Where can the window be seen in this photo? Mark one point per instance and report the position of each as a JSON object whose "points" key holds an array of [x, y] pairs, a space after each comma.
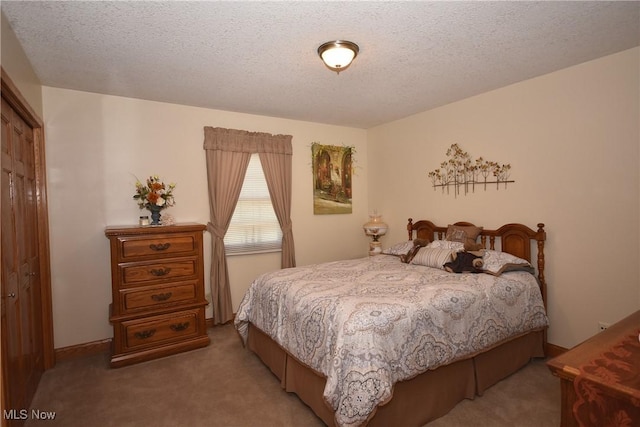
{"points": [[254, 226]]}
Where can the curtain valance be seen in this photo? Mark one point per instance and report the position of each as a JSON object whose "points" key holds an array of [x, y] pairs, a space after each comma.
{"points": [[246, 142]]}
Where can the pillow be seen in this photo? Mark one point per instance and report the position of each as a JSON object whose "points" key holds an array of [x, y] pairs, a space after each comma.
{"points": [[496, 263], [446, 244], [399, 249], [431, 257], [463, 233]]}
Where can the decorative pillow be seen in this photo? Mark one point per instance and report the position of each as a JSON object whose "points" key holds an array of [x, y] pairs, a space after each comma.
{"points": [[463, 233], [446, 244], [496, 263], [431, 257], [399, 249]]}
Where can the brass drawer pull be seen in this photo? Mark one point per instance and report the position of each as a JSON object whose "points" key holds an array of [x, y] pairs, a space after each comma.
{"points": [[160, 272], [177, 327], [145, 334], [161, 297], [160, 247]]}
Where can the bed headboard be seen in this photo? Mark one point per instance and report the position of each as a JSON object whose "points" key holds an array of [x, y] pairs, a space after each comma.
{"points": [[514, 238]]}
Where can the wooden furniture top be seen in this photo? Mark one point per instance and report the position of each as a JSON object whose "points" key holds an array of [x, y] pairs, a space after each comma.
{"points": [[117, 230], [600, 378], [601, 347]]}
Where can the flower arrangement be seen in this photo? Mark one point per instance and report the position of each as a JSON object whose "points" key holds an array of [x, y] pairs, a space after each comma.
{"points": [[154, 193]]}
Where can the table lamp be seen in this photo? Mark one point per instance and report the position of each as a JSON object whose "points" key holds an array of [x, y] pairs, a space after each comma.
{"points": [[375, 228]]}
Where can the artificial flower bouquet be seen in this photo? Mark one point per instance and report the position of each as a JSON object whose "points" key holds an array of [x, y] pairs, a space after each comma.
{"points": [[154, 193]]}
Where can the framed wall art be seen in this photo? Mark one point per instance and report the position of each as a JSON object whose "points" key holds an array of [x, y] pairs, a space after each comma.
{"points": [[332, 174]]}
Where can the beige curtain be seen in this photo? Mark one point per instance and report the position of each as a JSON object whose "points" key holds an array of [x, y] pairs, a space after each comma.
{"points": [[228, 152], [277, 171]]}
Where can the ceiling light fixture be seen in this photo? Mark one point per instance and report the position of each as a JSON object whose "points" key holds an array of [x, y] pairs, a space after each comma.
{"points": [[337, 55]]}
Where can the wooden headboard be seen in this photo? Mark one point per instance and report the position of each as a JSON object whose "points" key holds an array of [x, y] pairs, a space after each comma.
{"points": [[514, 239]]}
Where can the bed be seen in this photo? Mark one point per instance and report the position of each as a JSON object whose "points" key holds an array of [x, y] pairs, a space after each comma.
{"points": [[378, 341]]}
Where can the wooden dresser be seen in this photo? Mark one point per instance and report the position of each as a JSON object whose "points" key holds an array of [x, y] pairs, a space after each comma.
{"points": [[600, 378], [157, 285]]}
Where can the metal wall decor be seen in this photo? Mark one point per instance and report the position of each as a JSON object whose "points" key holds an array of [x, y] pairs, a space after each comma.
{"points": [[460, 172]]}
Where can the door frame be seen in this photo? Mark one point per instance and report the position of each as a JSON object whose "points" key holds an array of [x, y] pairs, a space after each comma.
{"points": [[12, 95]]}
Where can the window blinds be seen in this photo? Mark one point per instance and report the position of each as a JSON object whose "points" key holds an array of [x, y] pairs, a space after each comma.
{"points": [[254, 226]]}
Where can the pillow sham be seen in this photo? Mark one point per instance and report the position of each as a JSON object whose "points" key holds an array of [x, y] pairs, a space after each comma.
{"points": [[446, 244], [399, 248], [431, 257], [497, 262], [467, 234]]}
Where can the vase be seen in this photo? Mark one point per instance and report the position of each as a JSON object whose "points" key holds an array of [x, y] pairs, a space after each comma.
{"points": [[155, 214]]}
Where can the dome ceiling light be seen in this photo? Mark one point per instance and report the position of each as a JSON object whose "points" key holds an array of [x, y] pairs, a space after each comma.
{"points": [[337, 55]]}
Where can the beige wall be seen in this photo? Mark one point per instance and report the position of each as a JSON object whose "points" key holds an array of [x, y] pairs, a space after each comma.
{"points": [[97, 144], [572, 138], [15, 63]]}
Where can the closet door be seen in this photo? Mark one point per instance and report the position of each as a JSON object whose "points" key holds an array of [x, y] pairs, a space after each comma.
{"points": [[21, 294]]}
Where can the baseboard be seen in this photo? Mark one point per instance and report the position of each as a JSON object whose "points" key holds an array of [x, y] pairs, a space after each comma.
{"points": [[82, 350], [553, 350]]}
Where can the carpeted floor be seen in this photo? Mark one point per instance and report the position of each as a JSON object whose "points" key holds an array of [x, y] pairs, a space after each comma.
{"points": [[225, 385]]}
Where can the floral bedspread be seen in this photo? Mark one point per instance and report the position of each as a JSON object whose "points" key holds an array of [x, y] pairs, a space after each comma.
{"points": [[369, 323]]}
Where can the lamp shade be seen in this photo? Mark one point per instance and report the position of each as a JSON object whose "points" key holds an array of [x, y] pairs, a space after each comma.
{"points": [[338, 55], [375, 227]]}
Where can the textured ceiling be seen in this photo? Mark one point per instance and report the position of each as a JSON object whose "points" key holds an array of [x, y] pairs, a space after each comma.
{"points": [[260, 57]]}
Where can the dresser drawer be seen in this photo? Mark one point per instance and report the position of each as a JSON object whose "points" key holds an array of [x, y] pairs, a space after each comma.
{"points": [[142, 272], [150, 297], [136, 247], [163, 329]]}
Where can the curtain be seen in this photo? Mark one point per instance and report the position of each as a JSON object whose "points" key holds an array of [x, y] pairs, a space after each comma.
{"points": [[228, 152], [277, 171]]}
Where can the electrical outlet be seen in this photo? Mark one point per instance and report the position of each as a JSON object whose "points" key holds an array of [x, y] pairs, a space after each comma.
{"points": [[603, 325]]}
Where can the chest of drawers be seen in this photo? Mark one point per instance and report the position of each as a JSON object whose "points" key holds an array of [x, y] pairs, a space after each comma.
{"points": [[157, 285]]}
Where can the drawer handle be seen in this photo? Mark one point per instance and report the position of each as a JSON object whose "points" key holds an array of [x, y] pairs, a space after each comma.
{"points": [[177, 327], [161, 297], [160, 247], [145, 334], [160, 272]]}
